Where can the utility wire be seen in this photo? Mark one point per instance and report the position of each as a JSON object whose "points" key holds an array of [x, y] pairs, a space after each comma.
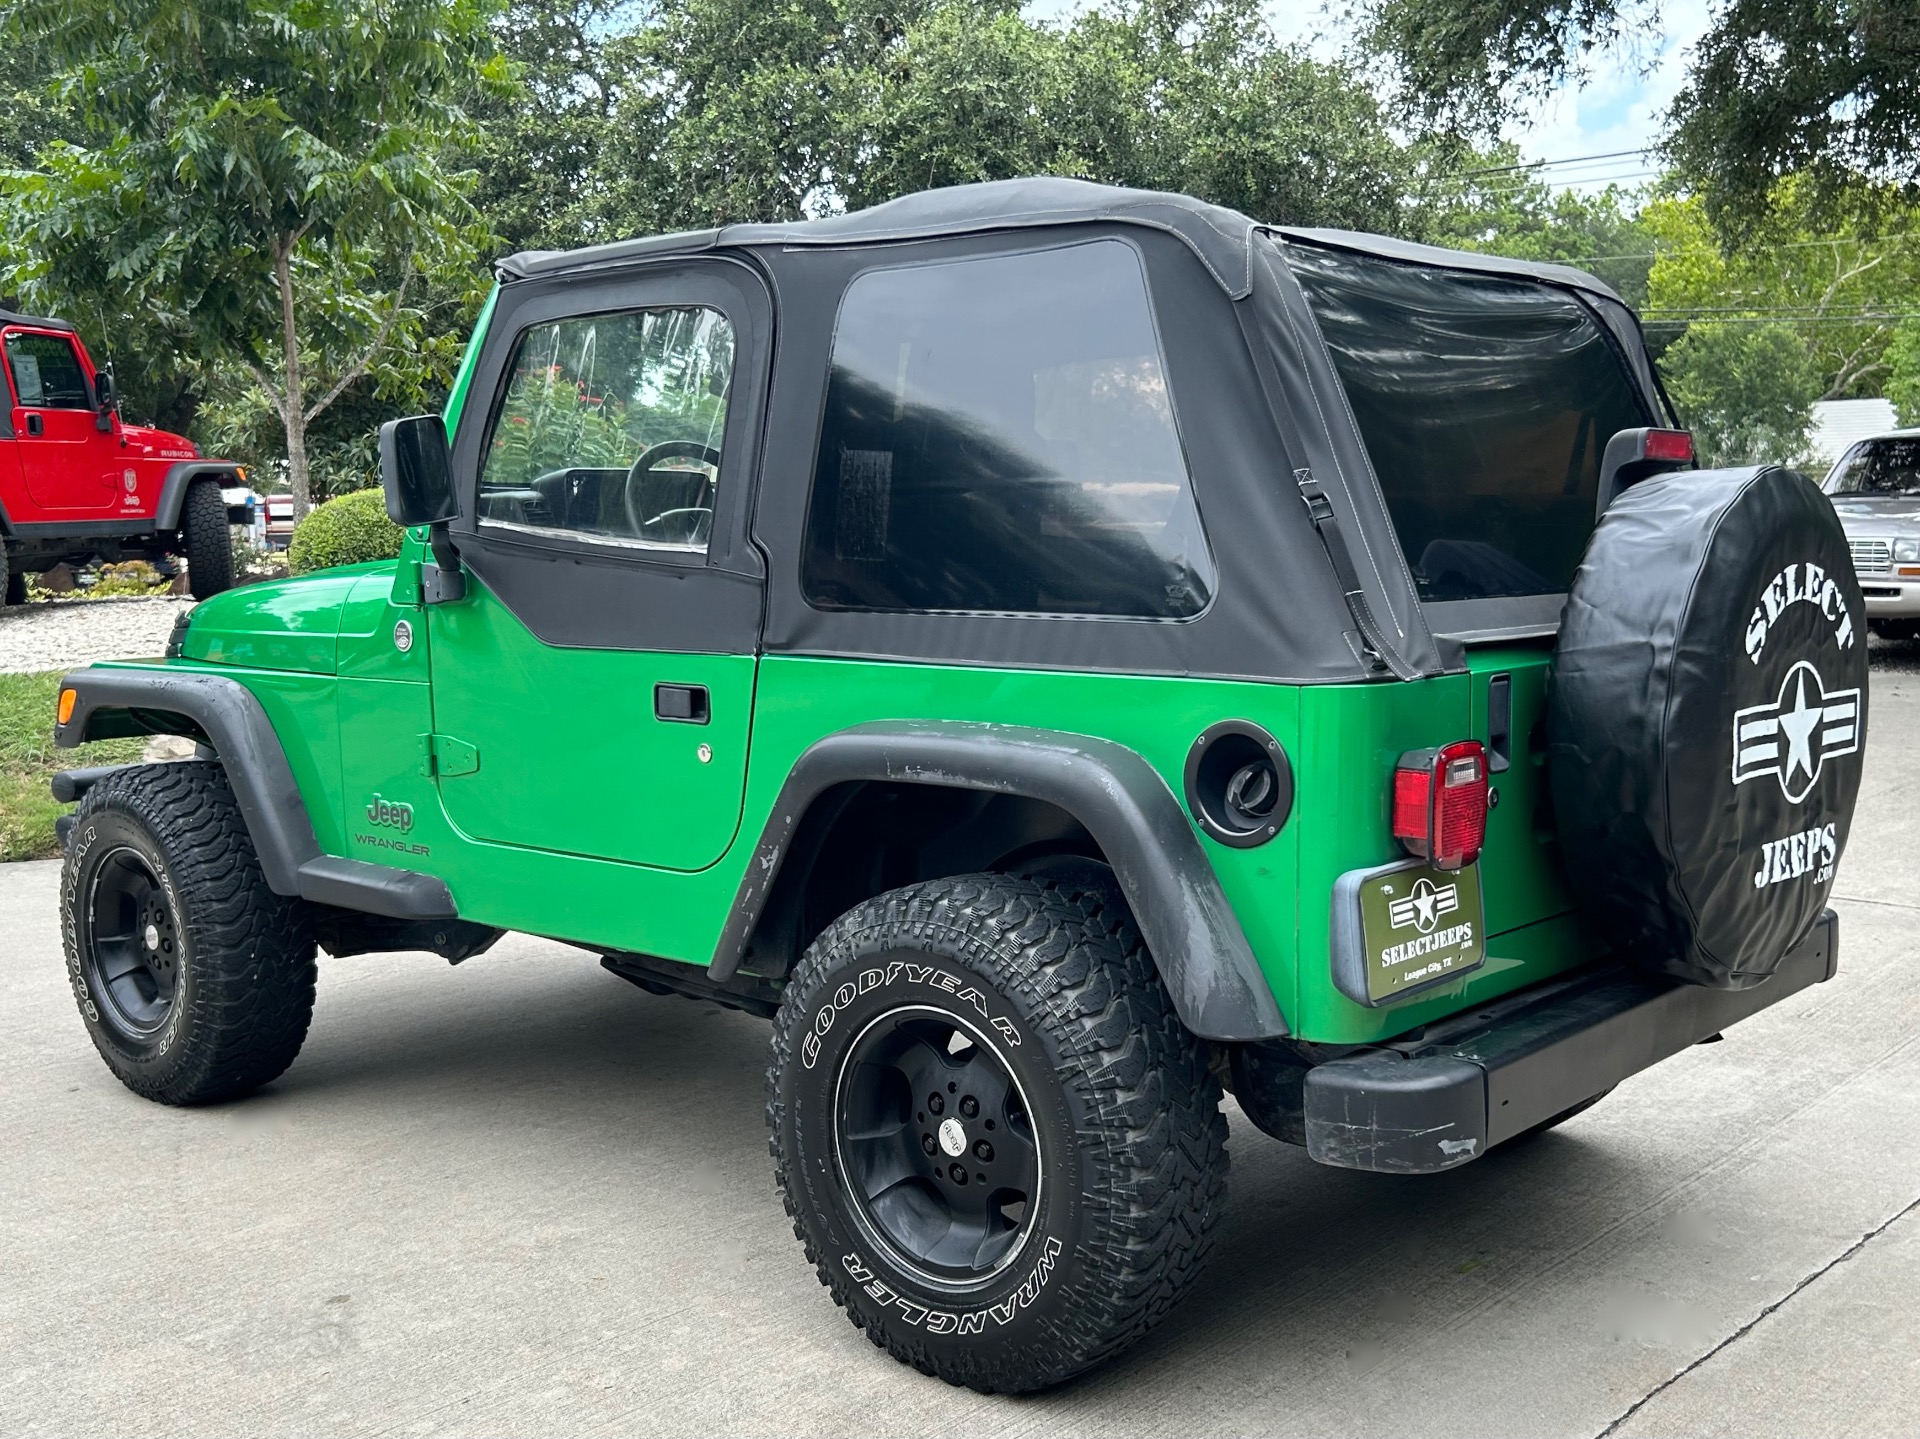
{"points": [[1551, 164]]}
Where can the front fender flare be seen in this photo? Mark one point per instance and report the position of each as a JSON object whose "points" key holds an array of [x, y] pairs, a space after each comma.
{"points": [[235, 724], [173, 489], [1196, 940]]}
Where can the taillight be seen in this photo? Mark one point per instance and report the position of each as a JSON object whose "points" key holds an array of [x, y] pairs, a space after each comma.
{"points": [[1440, 803], [1671, 445]]}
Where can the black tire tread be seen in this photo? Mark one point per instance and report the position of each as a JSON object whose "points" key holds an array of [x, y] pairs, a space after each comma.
{"points": [[208, 543], [253, 950], [1158, 1151]]}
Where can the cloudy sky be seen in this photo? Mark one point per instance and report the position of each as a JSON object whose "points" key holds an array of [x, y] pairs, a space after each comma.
{"points": [[1619, 108]]}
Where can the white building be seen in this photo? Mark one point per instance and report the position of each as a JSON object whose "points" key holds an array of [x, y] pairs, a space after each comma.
{"points": [[1838, 423]]}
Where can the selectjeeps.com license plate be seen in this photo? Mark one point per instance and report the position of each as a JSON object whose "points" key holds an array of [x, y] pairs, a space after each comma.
{"points": [[1404, 928]]}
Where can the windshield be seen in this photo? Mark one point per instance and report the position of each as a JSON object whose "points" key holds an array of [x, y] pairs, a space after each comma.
{"points": [[1485, 403], [1878, 467]]}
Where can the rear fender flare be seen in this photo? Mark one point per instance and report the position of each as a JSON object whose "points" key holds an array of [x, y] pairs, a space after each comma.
{"points": [[1198, 946]]}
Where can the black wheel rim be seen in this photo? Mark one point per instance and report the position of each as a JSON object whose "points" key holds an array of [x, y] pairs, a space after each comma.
{"points": [[936, 1146], [131, 949]]}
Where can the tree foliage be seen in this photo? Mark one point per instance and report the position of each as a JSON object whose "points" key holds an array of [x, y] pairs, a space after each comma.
{"points": [[1746, 391], [1903, 372], [270, 177], [736, 110], [1829, 89], [1489, 200], [1842, 292]]}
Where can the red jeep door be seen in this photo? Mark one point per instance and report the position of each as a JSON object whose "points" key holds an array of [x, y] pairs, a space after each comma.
{"points": [[69, 463]]}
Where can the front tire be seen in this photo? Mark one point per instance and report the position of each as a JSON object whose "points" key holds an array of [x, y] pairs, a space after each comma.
{"points": [[208, 542], [13, 584], [1003, 1152], [194, 979]]}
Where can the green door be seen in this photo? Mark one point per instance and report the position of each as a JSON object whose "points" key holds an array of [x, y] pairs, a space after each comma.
{"points": [[593, 690]]}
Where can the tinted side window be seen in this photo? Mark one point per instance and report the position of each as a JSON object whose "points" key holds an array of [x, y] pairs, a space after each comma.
{"points": [[1878, 467], [998, 437], [610, 428], [1485, 404], [47, 373]]}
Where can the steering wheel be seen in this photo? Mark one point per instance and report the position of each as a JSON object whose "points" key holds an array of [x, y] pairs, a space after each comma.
{"points": [[647, 464]]}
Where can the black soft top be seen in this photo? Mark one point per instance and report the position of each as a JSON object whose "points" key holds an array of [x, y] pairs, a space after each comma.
{"points": [[1309, 592], [1222, 238]]}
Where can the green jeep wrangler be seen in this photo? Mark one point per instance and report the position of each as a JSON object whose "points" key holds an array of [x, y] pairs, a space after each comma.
{"points": [[1058, 652]]}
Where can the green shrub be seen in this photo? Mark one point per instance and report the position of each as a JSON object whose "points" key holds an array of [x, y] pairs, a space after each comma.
{"points": [[348, 531]]}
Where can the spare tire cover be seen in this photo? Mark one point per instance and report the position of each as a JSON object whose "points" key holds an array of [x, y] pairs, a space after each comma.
{"points": [[1706, 720]]}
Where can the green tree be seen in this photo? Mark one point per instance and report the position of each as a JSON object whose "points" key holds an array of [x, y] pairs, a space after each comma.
{"points": [[1490, 200], [1827, 88], [1841, 291], [541, 134], [1747, 391], [732, 110], [1903, 372], [271, 176]]}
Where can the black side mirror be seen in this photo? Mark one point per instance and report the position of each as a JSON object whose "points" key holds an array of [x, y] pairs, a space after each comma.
{"points": [[106, 390], [416, 471], [1633, 455]]}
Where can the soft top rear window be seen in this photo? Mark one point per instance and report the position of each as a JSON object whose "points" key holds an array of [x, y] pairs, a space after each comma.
{"points": [[1485, 403]]}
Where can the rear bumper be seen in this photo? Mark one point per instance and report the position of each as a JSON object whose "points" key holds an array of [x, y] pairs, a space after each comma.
{"points": [[1485, 1076]]}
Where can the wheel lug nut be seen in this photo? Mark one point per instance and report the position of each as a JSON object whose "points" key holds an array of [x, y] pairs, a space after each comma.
{"points": [[926, 1143], [984, 1151], [958, 1173], [936, 1103], [970, 1106]]}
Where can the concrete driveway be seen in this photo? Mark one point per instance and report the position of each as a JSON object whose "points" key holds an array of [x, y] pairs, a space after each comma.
{"points": [[522, 1197]]}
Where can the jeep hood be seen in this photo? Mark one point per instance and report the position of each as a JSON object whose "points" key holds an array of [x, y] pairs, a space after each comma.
{"points": [[291, 624], [163, 443]]}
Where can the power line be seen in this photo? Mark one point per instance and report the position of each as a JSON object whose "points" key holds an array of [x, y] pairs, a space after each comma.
{"points": [[1876, 243], [1675, 317], [1550, 164]]}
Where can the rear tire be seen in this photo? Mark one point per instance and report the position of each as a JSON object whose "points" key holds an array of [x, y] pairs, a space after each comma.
{"points": [[13, 587], [209, 545], [1053, 1192], [194, 979]]}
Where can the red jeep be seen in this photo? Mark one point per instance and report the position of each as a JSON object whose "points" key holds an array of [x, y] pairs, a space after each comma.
{"points": [[76, 482]]}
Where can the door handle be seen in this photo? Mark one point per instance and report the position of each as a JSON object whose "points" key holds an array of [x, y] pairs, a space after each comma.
{"points": [[686, 704], [1500, 723], [36, 425]]}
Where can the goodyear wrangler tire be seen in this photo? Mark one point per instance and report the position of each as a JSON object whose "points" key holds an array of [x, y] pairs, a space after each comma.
{"points": [[194, 979], [1003, 1153], [1707, 720]]}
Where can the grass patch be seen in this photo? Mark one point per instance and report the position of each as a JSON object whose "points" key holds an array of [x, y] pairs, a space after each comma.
{"points": [[28, 760]]}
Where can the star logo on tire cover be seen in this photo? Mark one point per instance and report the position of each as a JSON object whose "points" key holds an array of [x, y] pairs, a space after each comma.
{"points": [[1794, 737]]}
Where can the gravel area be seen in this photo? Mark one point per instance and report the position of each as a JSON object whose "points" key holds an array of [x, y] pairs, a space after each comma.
{"points": [[60, 634]]}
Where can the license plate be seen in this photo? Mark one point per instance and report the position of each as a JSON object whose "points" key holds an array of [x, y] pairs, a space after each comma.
{"points": [[1405, 928]]}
